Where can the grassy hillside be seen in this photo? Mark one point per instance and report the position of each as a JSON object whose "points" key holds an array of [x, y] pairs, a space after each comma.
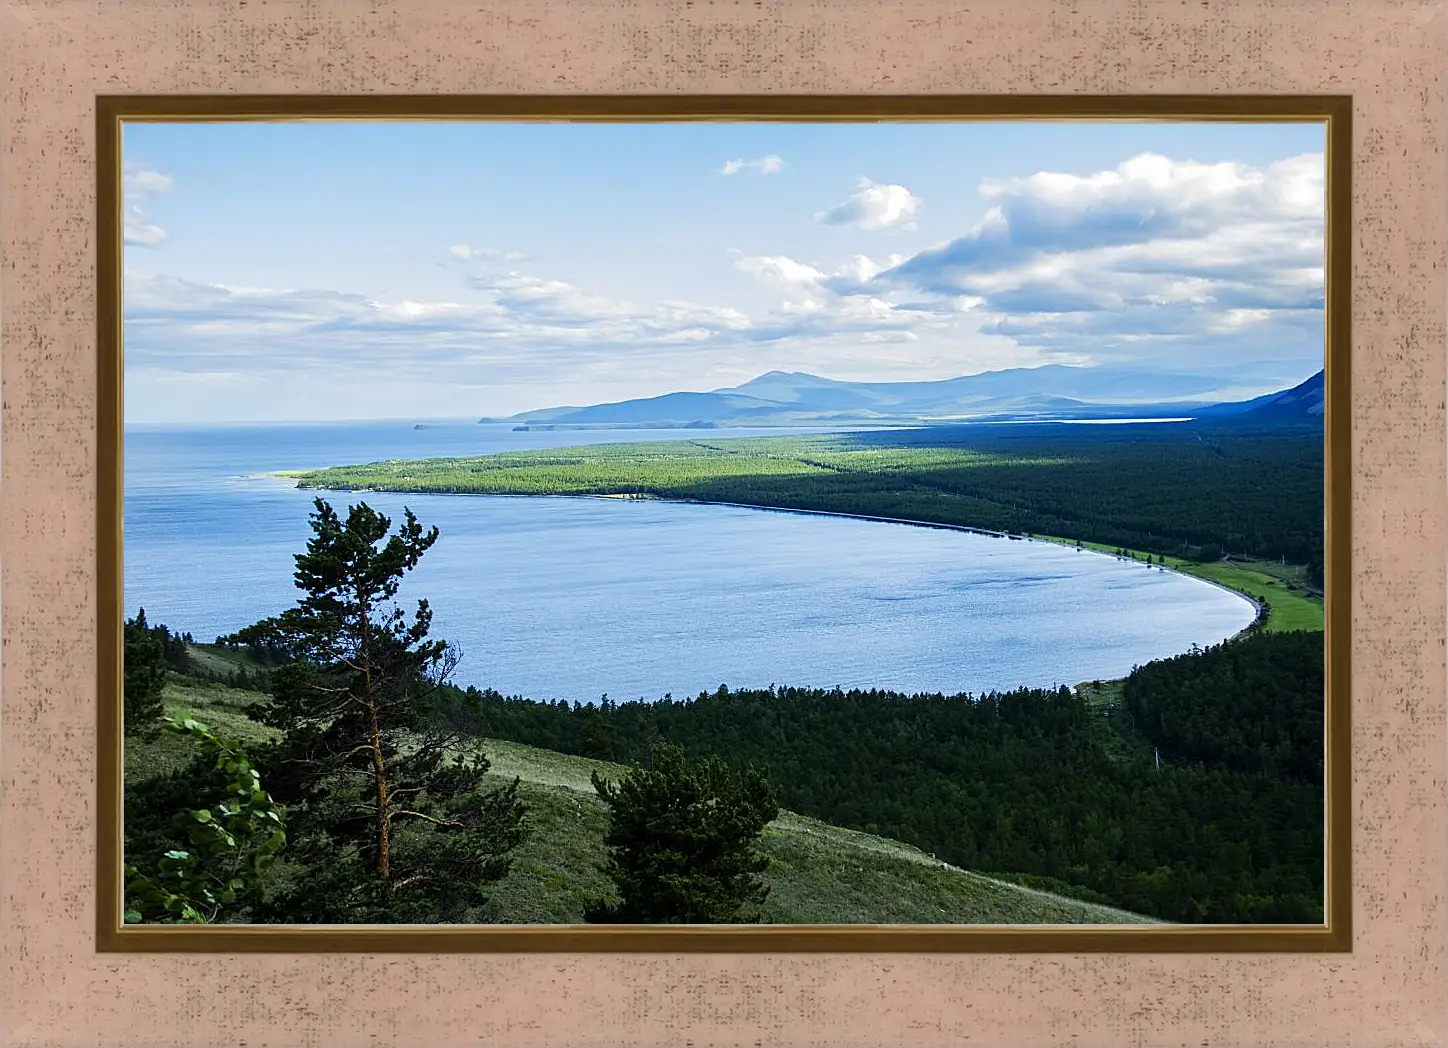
{"points": [[820, 874]]}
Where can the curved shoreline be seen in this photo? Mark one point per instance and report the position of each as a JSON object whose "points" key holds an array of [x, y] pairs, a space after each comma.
{"points": [[1258, 607]]}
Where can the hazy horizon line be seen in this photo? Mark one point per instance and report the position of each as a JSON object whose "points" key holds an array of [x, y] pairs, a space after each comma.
{"points": [[473, 419]]}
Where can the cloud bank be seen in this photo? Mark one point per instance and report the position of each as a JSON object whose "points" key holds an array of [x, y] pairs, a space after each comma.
{"points": [[1171, 264], [1174, 261]]}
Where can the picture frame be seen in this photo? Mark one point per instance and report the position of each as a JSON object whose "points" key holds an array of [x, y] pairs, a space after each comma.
{"points": [[1389, 983], [113, 113]]}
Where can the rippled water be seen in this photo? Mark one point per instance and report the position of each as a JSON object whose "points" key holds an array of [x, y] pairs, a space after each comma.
{"points": [[574, 598]]}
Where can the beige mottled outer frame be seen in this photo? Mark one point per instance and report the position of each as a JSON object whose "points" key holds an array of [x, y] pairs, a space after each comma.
{"points": [[57, 56], [114, 114]]}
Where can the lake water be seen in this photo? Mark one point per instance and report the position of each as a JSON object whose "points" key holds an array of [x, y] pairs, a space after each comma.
{"points": [[573, 598]]}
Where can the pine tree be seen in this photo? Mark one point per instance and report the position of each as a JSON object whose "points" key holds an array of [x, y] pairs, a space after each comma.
{"points": [[388, 817], [682, 842], [600, 738], [144, 672]]}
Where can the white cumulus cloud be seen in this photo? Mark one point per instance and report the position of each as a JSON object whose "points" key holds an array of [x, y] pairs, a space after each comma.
{"points": [[874, 206], [464, 252], [137, 184], [765, 165], [1189, 263]]}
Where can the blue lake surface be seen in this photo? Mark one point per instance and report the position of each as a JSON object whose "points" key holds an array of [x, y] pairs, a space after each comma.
{"points": [[574, 598]]}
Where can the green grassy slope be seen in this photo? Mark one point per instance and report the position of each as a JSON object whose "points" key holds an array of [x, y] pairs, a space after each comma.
{"points": [[820, 874]]}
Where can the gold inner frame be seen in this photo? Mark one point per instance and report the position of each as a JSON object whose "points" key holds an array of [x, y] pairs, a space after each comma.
{"points": [[1334, 935]]}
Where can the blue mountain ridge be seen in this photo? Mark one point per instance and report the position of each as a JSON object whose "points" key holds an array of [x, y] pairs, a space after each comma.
{"points": [[1050, 393]]}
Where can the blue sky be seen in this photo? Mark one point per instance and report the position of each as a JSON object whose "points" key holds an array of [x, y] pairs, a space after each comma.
{"points": [[326, 271]]}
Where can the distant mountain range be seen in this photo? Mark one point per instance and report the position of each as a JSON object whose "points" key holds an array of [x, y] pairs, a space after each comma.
{"points": [[1303, 401], [1051, 393]]}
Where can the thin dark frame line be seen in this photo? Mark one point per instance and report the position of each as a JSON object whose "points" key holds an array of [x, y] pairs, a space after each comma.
{"points": [[1333, 936], [712, 108]]}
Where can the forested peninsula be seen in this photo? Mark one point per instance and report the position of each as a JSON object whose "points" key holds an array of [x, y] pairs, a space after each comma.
{"points": [[1233, 505]]}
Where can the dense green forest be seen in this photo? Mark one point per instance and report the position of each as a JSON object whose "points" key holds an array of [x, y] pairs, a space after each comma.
{"points": [[1048, 788], [1039, 785], [817, 873], [1181, 490], [1249, 706]]}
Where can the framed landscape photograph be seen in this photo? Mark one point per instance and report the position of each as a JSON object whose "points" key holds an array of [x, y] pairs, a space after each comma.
{"points": [[785, 522], [940, 520]]}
